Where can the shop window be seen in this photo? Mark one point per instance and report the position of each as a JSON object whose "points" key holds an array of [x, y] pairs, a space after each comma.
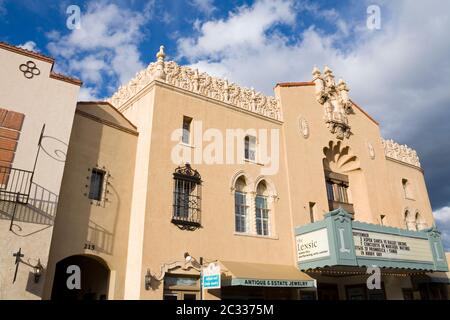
{"points": [[186, 197], [181, 287]]}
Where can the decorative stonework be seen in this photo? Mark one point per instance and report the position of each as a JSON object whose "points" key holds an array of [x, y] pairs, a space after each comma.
{"points": [[400, 152], [200, 83], [335, 100], [29, 69]]}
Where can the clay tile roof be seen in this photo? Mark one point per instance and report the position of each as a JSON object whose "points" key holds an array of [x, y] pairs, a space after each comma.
{"points": [[26, 52], [39, 56]]}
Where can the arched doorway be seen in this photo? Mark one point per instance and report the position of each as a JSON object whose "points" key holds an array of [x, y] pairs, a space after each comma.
{"points": [[94, 278]]}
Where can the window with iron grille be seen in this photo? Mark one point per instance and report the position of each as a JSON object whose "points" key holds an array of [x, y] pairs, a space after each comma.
{"points": [[96, 185], [187, 198]]}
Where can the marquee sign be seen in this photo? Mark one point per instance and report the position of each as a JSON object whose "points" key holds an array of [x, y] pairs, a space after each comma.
{"points": [[337, 240], [382, 245], [312, 245]]}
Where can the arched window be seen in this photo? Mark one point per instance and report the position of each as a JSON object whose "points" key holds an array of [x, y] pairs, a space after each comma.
{"points": [[407, 189], [186, 197], [410, 221], [420, 222], [240, 205], [262, 211]]}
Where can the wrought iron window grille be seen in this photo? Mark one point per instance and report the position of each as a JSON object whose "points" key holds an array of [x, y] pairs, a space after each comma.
{"points": [[186, 212]]}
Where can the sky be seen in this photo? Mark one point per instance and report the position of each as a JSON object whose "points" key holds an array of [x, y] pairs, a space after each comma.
{"points": [[399, 73]]}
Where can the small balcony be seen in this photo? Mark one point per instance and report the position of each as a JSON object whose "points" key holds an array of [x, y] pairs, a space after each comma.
{"points": [[23, 200], [333, 205]]}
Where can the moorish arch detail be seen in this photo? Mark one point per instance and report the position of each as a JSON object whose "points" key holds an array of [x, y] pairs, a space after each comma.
{"points": [[339, 158]]}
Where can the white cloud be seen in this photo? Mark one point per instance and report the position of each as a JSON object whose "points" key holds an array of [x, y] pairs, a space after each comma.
{"points": [[244, 30], [205, 6], [442, 217], [105, 46], [29, 45], [87, 94], [391, 72]]}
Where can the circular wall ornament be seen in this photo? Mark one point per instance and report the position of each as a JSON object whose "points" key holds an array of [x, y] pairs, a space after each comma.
{"points": [[29, 69], [371, 150], [304, 127]]}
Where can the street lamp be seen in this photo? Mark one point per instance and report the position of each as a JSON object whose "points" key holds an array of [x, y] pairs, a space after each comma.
{"points": [[37, 271]]}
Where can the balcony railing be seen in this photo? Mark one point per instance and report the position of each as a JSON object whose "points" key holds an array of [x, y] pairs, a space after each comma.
{"points": [[15, 184]]}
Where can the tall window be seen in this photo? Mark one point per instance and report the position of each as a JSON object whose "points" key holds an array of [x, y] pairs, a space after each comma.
{"points": [[420, 222], [410, 221], [186, 197], [407, 189], [337, 191], [240, 205], [261, 210], [96, 184], [250, 148], [186, 130]]}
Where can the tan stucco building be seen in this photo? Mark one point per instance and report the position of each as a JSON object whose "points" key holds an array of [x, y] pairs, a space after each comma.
{"points": [[292, 196], [31, 163]]}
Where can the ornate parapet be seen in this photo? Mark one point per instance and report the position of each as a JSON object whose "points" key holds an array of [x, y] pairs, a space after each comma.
{"points": [[200, 83], [400, 152]]}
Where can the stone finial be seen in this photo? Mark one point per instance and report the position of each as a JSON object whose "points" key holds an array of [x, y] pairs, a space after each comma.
{"points": [[315, 72], [161, 55], [342, 85], [159, 72]]}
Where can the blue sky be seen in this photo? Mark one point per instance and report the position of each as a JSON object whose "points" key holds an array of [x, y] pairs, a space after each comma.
{"points": [[400, 73]]}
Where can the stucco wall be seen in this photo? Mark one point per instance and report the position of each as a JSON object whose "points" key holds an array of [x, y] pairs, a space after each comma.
{"points": [[42, 100], [81, 221]]}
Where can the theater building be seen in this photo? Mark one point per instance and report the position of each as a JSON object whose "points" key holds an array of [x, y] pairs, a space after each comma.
{"points": [[292, 196]]}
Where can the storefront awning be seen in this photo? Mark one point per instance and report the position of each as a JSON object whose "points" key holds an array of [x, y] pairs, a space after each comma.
{"points": [[439, 277], [264, 275]]}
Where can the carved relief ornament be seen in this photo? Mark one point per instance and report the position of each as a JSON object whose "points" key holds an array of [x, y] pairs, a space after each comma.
{"points": [[335, 100], [200, 83]]}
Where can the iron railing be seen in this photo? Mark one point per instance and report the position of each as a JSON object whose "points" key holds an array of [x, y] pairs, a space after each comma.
{"points": [[15, 184]]}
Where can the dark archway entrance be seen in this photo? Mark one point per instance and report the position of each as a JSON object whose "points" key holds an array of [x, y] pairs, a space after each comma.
{"points": [[94, 278]]}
